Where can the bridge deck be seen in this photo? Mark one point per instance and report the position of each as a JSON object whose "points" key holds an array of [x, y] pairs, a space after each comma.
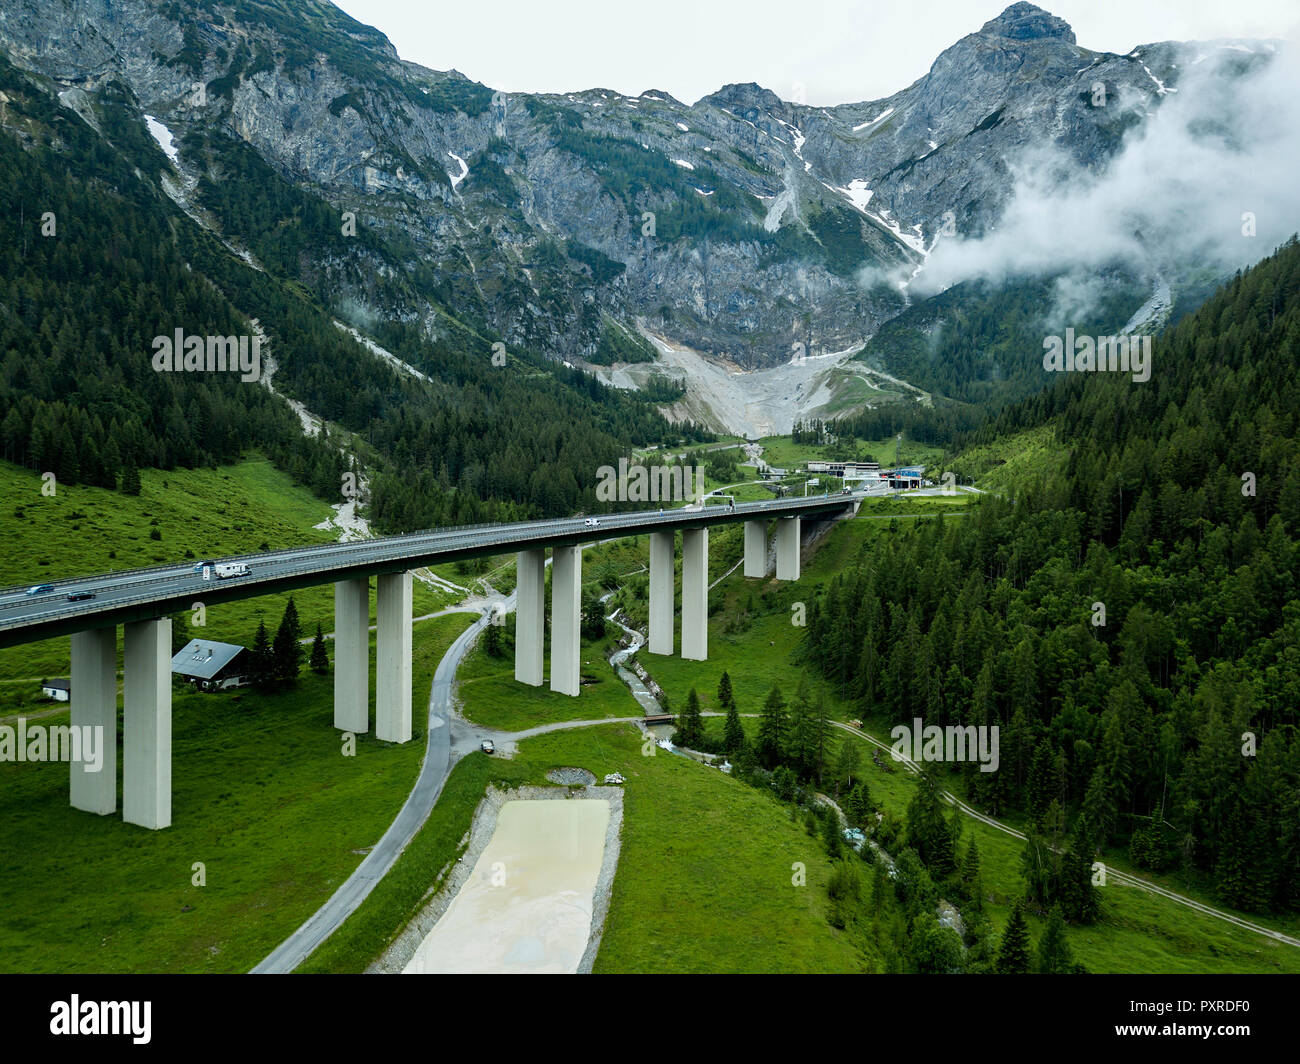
{"points": [[141, 594]]}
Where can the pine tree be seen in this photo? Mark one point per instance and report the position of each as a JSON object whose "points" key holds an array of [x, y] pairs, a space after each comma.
{"points": [[1054, 955], [733, 734], [1041, 782], [971, 877], [259, 660], [725, 697], [831, 833], [130, 480], [690, 724], [772, 727], [286, 651], [319, 660], [492, 640], [821, 740], [290, 619], [800, 749], [846, 765], [858, 804], [1078, 896], [927, 829], [1013, 951]]}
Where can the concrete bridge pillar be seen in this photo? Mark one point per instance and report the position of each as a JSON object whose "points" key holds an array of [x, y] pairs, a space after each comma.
{"points": [[94, 705], [147, 723], [566, 618], [756, 548], [695, 594], [352, 655], [787, 548], [393, 658], [661, 592], [530, 616]]}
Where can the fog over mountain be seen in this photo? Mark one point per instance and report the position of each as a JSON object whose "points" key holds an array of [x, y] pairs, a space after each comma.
{"points": [[1207, 179], [609, 231]]}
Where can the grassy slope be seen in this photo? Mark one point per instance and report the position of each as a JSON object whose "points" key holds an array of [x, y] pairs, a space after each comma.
{"points": [[1140, 932], [199, 513], [784, 453], [1020, 459], [704, 874], [263, 796]]}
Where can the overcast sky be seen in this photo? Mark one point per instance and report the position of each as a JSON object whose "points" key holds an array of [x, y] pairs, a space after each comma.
{"points": [[821, 51]]}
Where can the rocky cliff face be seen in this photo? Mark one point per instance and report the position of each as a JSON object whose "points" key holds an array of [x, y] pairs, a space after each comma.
{"points": [[741, 226]]}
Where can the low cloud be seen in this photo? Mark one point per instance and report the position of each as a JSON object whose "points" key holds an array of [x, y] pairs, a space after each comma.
{"points": [[1222, 147]]}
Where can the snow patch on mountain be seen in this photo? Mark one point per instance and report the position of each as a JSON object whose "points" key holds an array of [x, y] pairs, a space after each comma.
{"points": [[164, 137]]}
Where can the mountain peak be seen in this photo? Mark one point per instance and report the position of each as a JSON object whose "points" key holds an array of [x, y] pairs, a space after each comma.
{"points": [[1026, 22]]}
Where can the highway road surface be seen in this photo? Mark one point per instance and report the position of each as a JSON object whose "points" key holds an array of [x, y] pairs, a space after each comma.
{"points": [[143, 594]]}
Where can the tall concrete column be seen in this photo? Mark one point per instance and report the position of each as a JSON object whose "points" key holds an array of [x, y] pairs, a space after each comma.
{"points": [[147, 723], [787, 548], [530, 616], [566, 618], [94, 705], [352, 655], [393, 658], [661, 592], [756, 548], [695, 594]]}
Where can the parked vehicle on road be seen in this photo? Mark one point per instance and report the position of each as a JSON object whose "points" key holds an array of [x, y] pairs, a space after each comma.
{"points": [[40, 589], [487, 746]]}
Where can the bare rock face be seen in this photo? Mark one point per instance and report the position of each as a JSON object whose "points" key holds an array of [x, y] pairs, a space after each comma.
{"points": [[741, 226], [1025, 22]]}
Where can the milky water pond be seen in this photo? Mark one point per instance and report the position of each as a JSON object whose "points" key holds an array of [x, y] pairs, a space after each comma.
{"points": [[527, 905]]}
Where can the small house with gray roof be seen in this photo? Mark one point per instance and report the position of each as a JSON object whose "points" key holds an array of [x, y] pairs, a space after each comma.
{"points": [[211, 666]]}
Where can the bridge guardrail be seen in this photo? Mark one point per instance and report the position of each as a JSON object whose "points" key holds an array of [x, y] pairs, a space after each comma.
{"points": [[383, 548]]}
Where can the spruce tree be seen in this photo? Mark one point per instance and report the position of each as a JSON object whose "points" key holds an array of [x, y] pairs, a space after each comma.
{"points": [[831, 833], [858, 804], [1054, 955], [1079, 901], [927, 829], [772, 727], [259, 660], [733, 735], [846, 765], [1013, 951], [726, 700], [492, 640], [971, 878], [800, 749], [690, 724], [821, 741], [286, 651], [319, 660]]}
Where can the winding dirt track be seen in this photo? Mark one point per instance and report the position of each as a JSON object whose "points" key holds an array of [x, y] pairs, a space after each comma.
{"points": [[1123, 878]]}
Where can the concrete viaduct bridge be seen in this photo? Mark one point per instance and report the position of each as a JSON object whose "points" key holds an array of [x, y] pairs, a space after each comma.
{"points": [[141, 599]]}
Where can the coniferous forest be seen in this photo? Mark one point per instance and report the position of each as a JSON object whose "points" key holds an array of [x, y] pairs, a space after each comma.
{"points": [[119, 264], [1129, 624]]}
